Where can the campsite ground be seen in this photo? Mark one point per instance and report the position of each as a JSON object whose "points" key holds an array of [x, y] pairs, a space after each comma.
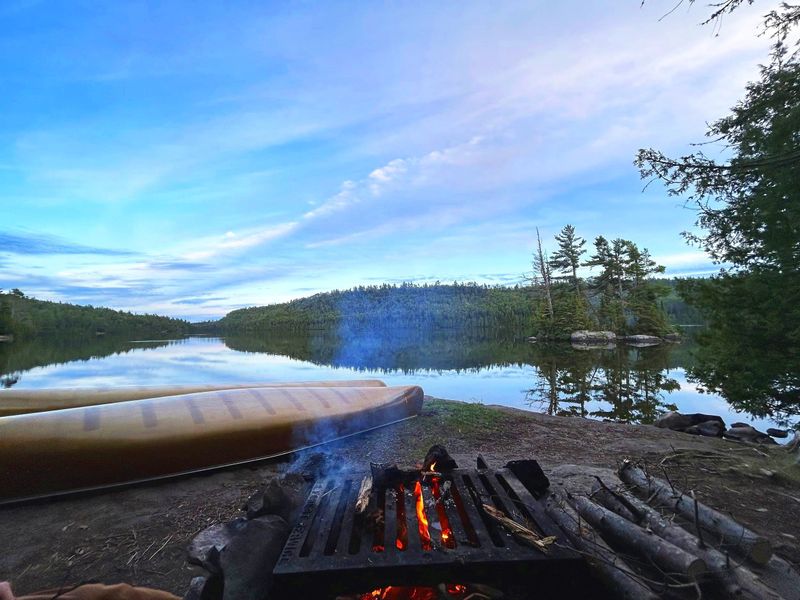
{"points": [[139, 535]]}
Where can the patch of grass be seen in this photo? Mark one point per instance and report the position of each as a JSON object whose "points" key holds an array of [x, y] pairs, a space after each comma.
{"points": [[466, 418], [456, 425]]}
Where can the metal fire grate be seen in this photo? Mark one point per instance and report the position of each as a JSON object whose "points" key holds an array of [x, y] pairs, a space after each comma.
{"points": [[332, 550]]}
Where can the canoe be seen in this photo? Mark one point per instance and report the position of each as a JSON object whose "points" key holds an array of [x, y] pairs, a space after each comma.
{"points": [[16, 401], [91, 447]]}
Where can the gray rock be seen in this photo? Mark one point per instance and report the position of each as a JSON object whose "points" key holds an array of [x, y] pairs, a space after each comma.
{"points": [[707, 428], [272, 500], [247, 561], [680, 422], [205, 548], [673, 420], [746, 433], [201, 588], [642, 340], [777, 433], [584, 336]]}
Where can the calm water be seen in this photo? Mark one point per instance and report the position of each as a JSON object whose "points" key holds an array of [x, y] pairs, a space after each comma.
{"points": [[625, 383]]}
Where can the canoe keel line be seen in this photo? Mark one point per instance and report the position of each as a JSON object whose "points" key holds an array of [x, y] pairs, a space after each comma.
{"points": [[93, 447]]}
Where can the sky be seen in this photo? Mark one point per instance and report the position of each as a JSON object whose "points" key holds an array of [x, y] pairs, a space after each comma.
{"points": [[190, 158]]}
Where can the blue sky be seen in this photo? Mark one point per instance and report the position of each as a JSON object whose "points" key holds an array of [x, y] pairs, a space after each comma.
{"points": [[188, 158]]}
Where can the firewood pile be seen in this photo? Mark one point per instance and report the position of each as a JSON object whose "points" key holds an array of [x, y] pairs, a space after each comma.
{"points": [[647, 539]]}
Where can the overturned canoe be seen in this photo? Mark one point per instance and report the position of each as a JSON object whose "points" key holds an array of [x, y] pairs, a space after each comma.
{"points": [[16, 401], [90, 447]]}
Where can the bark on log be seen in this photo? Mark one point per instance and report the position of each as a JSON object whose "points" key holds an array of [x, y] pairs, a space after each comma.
{"points": [[732, 534], [734, 580], [619, 530], [609, 567]]}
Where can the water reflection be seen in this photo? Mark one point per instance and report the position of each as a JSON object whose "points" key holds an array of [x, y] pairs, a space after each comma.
{"points": [[23, 355], [622, 383]]}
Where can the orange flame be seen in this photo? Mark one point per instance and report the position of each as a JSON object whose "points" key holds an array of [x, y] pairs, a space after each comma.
{"points": [[424, 534], [447, 532], [414, 593]]}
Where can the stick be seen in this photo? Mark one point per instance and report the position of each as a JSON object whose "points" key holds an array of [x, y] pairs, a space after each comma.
{"points": [[363, 494], [522, 532]]}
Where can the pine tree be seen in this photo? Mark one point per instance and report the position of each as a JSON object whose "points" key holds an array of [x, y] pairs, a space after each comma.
{"points": [[567, 258]]}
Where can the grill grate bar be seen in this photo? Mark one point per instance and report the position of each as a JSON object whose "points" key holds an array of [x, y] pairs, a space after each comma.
{"points": [[484, 526], [345, 534], [458, 528], [390, 520]]}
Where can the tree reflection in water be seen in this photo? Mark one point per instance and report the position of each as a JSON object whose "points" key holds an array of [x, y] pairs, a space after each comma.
{"points": [[623, 383]]}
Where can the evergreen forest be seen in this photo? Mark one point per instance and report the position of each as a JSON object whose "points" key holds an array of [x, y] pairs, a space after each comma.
{"points": [[25, 317]]}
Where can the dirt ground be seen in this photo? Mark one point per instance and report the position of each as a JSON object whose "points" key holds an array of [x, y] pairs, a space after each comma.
{"points": [[139, 534]]}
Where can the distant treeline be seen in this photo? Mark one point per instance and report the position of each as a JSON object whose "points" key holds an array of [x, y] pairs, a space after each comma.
{"points": [[405, 306], [27, 317], [425, 307]]}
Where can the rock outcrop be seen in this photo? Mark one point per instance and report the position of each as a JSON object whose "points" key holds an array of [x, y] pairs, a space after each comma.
{"points": [[742, 432], [584, 336], [695, 423]]}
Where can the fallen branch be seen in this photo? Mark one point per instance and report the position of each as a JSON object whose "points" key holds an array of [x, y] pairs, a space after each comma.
{"points": [[607, 564], [734, 580], [732, 534], [622, 532]]}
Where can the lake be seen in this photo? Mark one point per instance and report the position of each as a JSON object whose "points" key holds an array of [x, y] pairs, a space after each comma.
{"points": [[624, 383]]}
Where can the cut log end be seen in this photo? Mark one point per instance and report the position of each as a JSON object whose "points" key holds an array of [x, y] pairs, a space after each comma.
{"points": [[761, 551], [696, 568]]}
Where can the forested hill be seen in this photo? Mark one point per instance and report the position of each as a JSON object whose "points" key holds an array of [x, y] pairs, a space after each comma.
{"points": [[28, 317], [438, 306], [392, 306]]}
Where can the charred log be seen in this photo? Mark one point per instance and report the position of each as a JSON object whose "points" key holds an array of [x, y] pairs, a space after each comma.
{"points": [[438, 459], [531, 475]]}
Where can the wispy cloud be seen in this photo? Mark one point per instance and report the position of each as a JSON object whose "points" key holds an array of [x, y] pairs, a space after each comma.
{"points": [[395, 139], [45, 244]]}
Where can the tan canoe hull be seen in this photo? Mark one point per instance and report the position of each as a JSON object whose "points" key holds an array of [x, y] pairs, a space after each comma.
{"points": [[90, 447], [21, 401]]}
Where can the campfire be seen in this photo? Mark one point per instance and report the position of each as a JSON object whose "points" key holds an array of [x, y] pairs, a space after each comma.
{"points": [[433, 532], [439, 531]]}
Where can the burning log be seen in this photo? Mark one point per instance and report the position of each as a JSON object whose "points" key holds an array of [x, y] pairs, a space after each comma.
{"points": [[732, 535], [735, 581], [438, 459], [364, 493], [620, 531], [611, 569], [526, 535]]}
